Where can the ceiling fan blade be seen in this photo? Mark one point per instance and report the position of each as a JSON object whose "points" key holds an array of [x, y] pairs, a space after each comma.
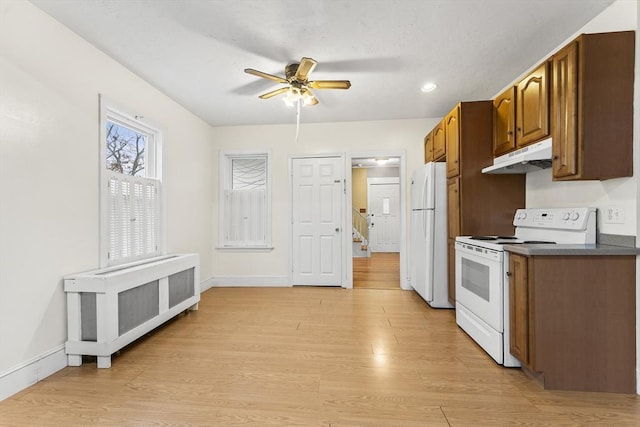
{"points": [[329, 84], [273, 93], [265, 75], [305, 68]]}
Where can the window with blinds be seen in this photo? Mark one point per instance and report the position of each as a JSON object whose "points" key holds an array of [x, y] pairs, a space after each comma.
{"points": [[245, 201], [132, 219], [131, 215]]}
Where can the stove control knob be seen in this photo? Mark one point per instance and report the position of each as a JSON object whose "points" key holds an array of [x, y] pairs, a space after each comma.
{"points": [[575, 216], [565, 216], [522, 215]]}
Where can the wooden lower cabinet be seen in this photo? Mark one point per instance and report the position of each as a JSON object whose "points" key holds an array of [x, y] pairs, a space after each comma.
{"points": [[453, 230], [519, 312], [572, 320]]}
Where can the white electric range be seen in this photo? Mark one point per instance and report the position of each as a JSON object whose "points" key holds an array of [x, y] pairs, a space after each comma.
{"points": [[482, 266]]}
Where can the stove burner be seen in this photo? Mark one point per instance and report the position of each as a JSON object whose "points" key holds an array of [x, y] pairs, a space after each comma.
{"points": [[484, 238], [538, 242], [507, 237]]}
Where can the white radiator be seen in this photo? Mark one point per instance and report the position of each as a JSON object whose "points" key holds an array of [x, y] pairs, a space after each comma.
{"points": [[109, 308]]}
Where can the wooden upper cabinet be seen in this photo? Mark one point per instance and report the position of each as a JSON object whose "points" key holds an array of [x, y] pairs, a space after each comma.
{"points": [[504, 119], [452, 137], [532, 112], [428, 148], [592, 107], [564, 108], [439, 146]]}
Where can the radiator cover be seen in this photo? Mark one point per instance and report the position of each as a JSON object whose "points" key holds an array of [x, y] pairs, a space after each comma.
{"points": [[110, 308]]}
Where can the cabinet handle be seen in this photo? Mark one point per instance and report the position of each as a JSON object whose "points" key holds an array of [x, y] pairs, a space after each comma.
{"points": [[555, 158], [519, 129], [509, 274], [509, 132]]}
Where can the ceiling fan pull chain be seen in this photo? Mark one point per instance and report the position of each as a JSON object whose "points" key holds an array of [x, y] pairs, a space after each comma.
{"points": [[298, 119]]}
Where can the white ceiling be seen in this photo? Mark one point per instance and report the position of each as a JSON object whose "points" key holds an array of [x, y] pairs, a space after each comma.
{"points": [[195, 51]]}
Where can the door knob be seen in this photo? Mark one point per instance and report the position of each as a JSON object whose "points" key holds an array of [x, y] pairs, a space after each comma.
{"points": [[337, 229]]}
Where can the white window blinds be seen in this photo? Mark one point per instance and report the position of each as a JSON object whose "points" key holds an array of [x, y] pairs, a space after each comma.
{"points": [[132, 220], [245, 201]]}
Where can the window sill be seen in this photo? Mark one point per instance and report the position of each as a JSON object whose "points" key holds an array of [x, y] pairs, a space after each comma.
{"points": [[245, 248]]}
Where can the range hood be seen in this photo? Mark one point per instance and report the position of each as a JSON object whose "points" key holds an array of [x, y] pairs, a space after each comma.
{"points": [[531, 158]]}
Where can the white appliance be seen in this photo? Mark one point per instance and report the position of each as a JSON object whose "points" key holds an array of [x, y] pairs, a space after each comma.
{"points": [[531, 158], [429, 234], [482, 267]]}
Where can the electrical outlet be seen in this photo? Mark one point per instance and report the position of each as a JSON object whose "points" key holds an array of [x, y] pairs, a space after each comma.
{"points": [[613, 215]]}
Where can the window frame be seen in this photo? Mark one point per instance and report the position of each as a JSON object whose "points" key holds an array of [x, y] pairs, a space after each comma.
{"points": [[225, 178], [111, 111]]}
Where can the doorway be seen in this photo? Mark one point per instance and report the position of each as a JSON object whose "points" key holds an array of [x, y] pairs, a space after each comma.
{"points": [[376, 200]]}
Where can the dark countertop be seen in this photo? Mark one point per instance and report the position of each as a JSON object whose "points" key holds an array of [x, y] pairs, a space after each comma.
{"points": [[561, 249]]}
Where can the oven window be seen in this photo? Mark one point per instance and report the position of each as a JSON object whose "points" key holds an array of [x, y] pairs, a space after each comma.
{"points": [[475, 278]]}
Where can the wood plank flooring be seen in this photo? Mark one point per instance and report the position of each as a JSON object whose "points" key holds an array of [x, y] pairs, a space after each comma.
{"points": [[308, 357], [380, 271]]}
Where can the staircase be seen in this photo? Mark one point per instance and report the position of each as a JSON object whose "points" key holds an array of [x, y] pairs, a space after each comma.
{"points": [[360, 233]]}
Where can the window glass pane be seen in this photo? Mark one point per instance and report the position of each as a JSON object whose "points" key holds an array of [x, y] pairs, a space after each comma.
{"points": [[248, 174], [125, 150]]}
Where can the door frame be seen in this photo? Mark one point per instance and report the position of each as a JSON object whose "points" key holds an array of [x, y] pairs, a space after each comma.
{"points": [[380, 180], [344, 241], [348, 253]]}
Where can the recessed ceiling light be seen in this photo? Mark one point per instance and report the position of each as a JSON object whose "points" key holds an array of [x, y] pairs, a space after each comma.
{"points": [[429, 87]]}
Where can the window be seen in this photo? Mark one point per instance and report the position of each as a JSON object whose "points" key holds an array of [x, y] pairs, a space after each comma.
{"points": [[245, 200], [130, 191]]}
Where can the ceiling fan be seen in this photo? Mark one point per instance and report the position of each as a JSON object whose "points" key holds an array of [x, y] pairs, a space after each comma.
{"points": [[298, 89]]}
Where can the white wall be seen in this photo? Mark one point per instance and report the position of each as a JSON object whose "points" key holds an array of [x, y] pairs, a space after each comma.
{"points": [[327, 138], [49, 84]]}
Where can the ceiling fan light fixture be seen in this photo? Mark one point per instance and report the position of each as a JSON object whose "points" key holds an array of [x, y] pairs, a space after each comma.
{"points": [[429, 87], [298, 90], [295, 94]]}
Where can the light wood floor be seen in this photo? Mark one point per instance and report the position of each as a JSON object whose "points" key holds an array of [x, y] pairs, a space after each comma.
{"points": [[308, 357], [380, 271]]}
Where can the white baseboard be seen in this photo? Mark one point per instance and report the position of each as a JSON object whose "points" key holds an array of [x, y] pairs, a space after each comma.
{"points": [[253, 281], [30, 372], [206, 284], [638, 380]]}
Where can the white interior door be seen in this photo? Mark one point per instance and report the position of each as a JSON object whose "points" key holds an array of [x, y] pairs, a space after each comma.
{"points": [[317, 188], [384, 211]]}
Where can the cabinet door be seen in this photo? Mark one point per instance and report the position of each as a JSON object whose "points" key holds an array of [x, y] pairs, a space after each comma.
{"points": [[439, 148], [453, 207], [428, 148], [451, 279], [504, 118], [532, 112], [519, 307], [452, 136], [564, 110]]}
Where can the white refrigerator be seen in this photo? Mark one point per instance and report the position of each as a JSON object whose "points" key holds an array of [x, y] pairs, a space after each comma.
{"points": [[428, 255]]}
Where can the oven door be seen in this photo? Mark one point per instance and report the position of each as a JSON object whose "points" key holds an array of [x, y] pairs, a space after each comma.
{"points": [[479, 283]]}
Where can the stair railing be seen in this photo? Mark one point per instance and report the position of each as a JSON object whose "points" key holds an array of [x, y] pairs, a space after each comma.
{"points": [[361, 226]]}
